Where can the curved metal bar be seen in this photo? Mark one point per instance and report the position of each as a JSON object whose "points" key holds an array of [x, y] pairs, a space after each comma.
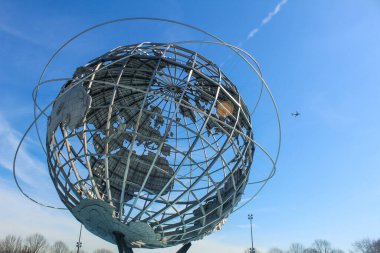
{"points": [[103, 24], [238, 51], [258, 72], [15, 158]]}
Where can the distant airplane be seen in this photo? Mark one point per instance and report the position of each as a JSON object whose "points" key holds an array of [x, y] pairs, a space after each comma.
{"points": [[296, 114]]}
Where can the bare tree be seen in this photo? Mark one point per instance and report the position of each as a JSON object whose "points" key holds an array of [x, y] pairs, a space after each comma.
{"points": [[11, 244], [376, 245], [275, 250], [296, 248], [59, 247], [322, 246], [102, 251], [35, 244], [363, 246], [310, 250], [367, 246]]}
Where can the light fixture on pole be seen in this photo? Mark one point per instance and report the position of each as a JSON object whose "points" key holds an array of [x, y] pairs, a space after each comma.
{"points": [[250, 218], [79, 243]]}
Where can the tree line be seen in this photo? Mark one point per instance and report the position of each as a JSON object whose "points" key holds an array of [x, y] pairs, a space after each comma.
{"points": [[324, 246], [37, 243]]}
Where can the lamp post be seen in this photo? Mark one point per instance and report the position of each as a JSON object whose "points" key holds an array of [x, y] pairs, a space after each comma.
{"points": [[79, 243], [250, 218]]}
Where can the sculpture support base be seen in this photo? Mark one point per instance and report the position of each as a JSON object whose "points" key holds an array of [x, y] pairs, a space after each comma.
{"points": [[123, 248], [121, 244], [184, 248]]}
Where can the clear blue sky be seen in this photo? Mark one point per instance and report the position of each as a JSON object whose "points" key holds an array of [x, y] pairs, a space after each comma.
{"points": [[319, 57]]}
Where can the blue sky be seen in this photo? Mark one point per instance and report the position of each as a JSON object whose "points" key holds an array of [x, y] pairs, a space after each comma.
{"points": [[321, 58]]}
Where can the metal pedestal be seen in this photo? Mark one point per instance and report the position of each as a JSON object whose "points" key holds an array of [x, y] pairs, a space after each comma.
{"points": [[123, 248], [184, 248], [121, 244]]}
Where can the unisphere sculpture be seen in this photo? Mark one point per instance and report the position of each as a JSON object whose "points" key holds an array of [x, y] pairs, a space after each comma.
{"points": [[151, 141], [149, 145]]}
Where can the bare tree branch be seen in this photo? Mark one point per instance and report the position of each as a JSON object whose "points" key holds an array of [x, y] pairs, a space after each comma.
{"points": [[11, 244], [59, 247], [35, 244]]}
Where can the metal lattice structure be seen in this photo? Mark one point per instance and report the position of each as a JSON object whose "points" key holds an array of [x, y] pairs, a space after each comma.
{"points": [[150, 145], [156, 136]]}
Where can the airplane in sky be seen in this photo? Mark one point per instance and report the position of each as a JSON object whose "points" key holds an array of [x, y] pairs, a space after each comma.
{"points": [[295, 114]]}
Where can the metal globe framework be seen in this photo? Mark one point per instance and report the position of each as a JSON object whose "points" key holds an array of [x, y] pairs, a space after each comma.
{"points": [[150, 145], [158, 132]]}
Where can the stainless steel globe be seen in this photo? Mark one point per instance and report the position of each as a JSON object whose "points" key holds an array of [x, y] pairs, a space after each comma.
{"points": [[150, 145]]}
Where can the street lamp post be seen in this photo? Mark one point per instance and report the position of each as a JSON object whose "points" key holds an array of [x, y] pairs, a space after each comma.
{"points": [[79, 243], [250, 218]]}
